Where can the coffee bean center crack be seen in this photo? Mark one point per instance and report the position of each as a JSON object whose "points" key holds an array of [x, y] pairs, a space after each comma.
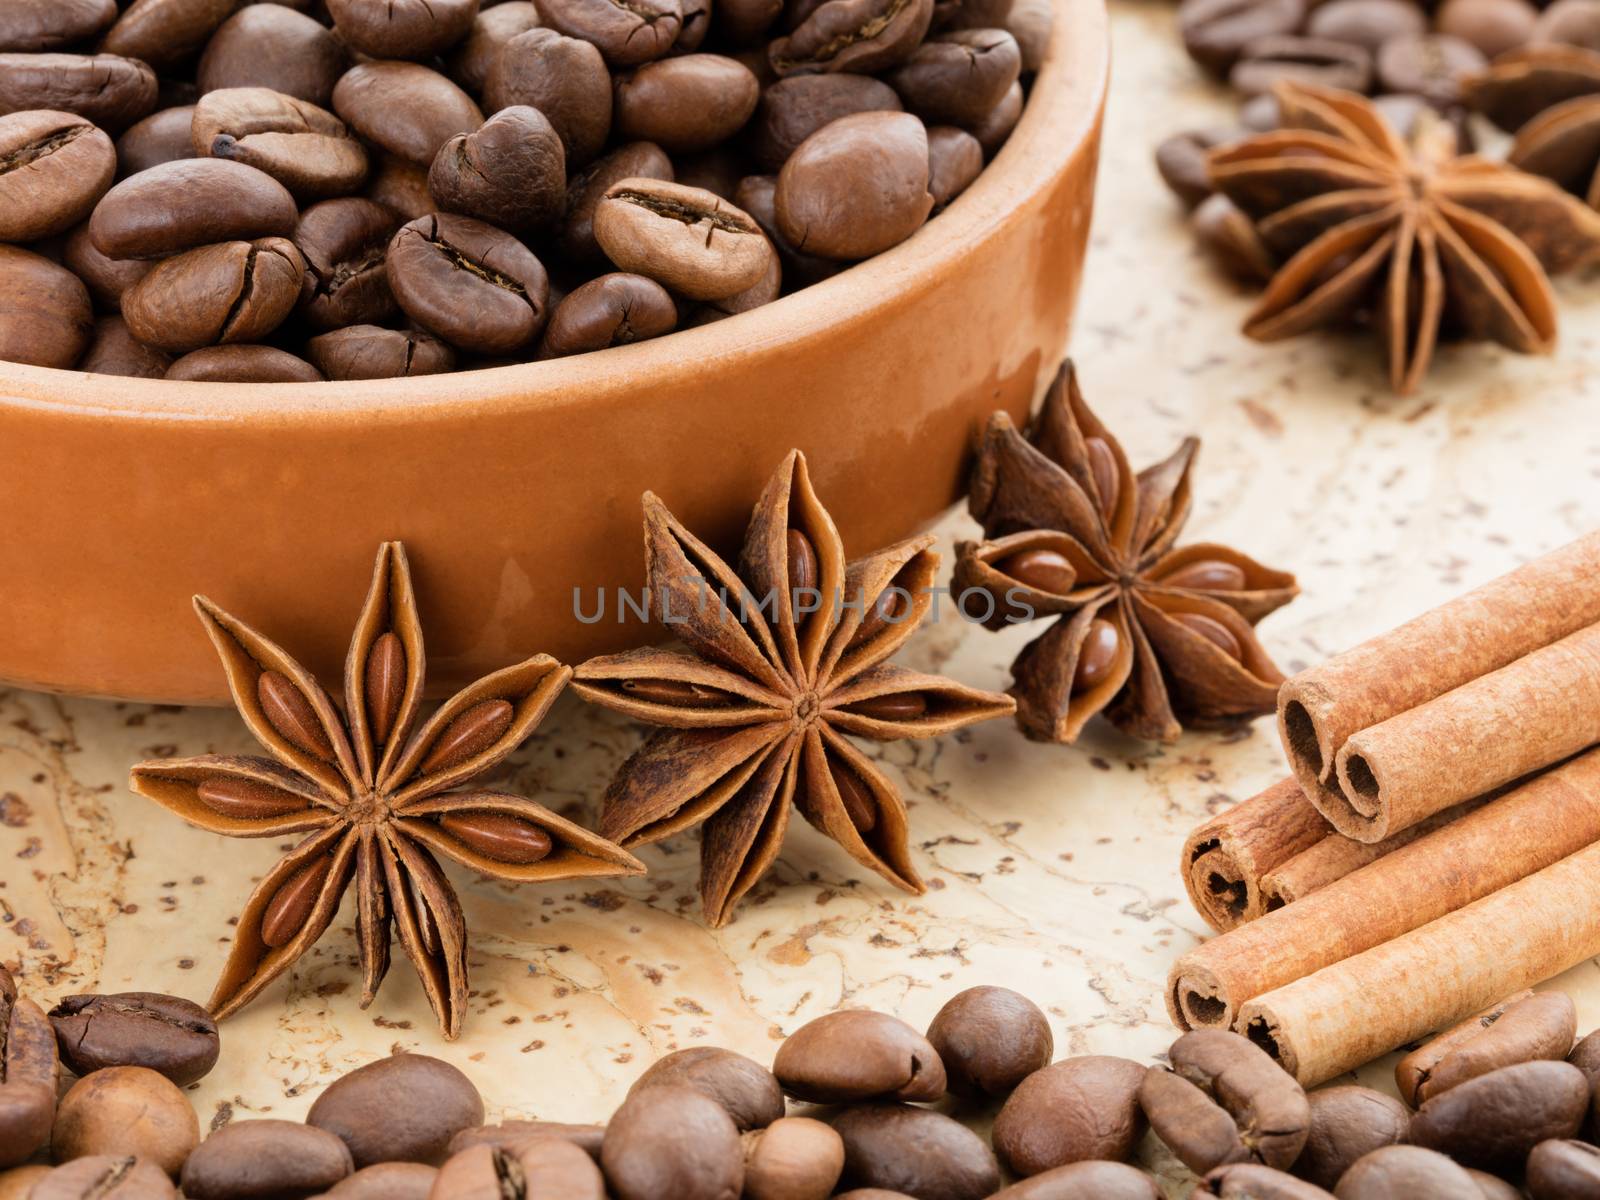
{"points": [[21, 157], [463, 262]]}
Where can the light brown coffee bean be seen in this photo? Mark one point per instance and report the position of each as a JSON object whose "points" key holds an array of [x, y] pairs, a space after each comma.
{"points": [[126, 1111], [1405, 1173], [757, 195], [764, 291], [388, 1181], [305, 148], [856, 187], [178, 206], [1492, 26], [955, 159], [28, 1066], [626, 34], [269, 45], [492, 28], [54, 167], [1346, 1124], [372, 352], [688, 239], [585, 190], [672, 1141], [1046, 1122], [990, 1039], [747, 1090], [794, 1158], [358, 1108], [105, 1177], [35, 25], [995, 128], [687, 103], [404, 108], [469, 283], [564, 78], [510, 172], [855, 1054], [265, 1158], [346, 245], [1536, 1026], [45, 316], [414, 29], [498, 836], [107, 89], [243, 364], [860, 36], [1569, 23], [115, 351], [528, 1171], [916, 1151], [163, 136], [229, 292]]}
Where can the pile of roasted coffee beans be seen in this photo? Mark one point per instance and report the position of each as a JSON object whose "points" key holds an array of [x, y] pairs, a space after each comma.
{"points": [[359, 189], [1497, 1110]]}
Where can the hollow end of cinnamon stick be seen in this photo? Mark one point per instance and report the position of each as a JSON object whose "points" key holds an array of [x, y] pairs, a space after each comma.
{"points": [[1310, 751], [1196, 999], [1263, 1030], [1221, 890]]}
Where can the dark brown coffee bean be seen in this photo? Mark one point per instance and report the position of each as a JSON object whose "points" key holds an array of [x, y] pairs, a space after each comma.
{"points": [[1251, 1181], [346, 243], [404, 108], [958, 78], [54, 167], [1266, 62], [990, 1039], [28, 1065], [792, 109], [626, 34], [125, 1110], [970, 14], [115, 351], [492, 28], [372, 352], [471, 284], [1215, 32], [45, 316], [247, 364], [1494, 1120], [529, 1171], [305, 148], [359, 1109], [1046, 1122], [105, 1177], [166, 33], [35, 25], [916, 1151], [510, 172], [794, 1158], [672, 1141], [401, 187], [994, 129], [688, 239], [856, 187], [1182, 162], [588, 1138], [955, 160], [107, 89], [1085, 1181], [613, 310], [742, 22], [585, 190], [1564, 1170], [226, 293], [1536, 1026], [1491, 26], [468, 735], [1405, 1173], [686, 103], [757, 195], [1428, 65], [195, 202], [1366, 23], [1571, 23], [388, 1181], [253, 1160], [1347, 1123], [169, 1035], [745, 1089], [402, 28], [565, 79], [268, 45], [855, 1054], [162, 137], [861, 36]]}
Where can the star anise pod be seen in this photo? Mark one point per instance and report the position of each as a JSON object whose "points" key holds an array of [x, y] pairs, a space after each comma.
{"points": [[1422, 241], [1522, 83], [1154, 637], [376, 800], [757, 711]]}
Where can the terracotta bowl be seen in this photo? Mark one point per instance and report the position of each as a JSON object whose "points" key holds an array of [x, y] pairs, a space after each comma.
{"points": [[512, 487]]}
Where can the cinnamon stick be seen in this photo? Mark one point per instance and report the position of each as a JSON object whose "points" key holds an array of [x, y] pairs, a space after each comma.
{"points": [[1524, 831], [1225, 858], [1320, 709], [1353, 1011], [1550, 698]]}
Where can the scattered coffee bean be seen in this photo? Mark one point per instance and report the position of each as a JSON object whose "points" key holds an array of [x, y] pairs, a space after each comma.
{"points": [[28, 1066], [414, 29], [1230, 237], [685, 238], [54, 167], [747, 1090], [305, 148], [1268, 61], [1043, 1125], [126, 1111], [218, 294], [1428, 65], [990, 1039], [1532, 1026], [672, 1141], [1563, 1170], [1182, 161], [565, 79], [1216, 32], [492, 28], [529, 1171], [856, 187], [794, 1158], [510, 172], [105, 1177], [856, 1054], [1346, 1124], [860, 36], [1405, 1173], [372, 352], [1491, 26], [45, 316], [469, 283], [107, 89], [169, 1035], [1366, 23], [922, 1153], [34, 25], [196, 202], [162, 137], [115, 351], [268, 45], [404, 108], [1494, 1120], [359, 1109], [245, 364], [265, 1159]]}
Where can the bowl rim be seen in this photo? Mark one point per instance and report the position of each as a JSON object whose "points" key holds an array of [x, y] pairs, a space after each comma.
{"points": [[1061, 115]]}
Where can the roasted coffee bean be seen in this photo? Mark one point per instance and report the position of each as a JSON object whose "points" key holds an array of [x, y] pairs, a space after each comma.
{"points": [[126, 1111], [263, 1159], [402, 187], [1428, 65], [387, 1181], [1182, 161], [250, 364], [501, 837], [268, 45], [1046, 1123], [1494, 1120], [1492, 1187], [764, 291], [1531, 1026], [45, 317], [16, 1183], [914, 1150], [510, 172], [169, 1035], [54, 167], [1085, 1181], [860, 36], [404, 108], [359, 1108], [115, 351], [28, 1066], [1224, 1101], [672, 1141], [34, 25], [856, 1054], [196, 202], [1098, 656], [471, 284], [794, 1158], [688, 239], [747, 1090], [856, 187], [165, 33], [1491, 26], [1215, 32], [958, 78], [587, 1137], [1251, 1181], [955, 159], [491, 29], [626, 34], [1366, 23], [105, 1177], [544, 1169], [372, 352], [990, 1039], [226, 293], [994, 129], [1564, 1170], [402, 28], [1225, 232], [1405, 1173], [613, 310], [757, 195], [686, 103], [565, 79], [305, 148], [162, 137], [1266, 62], [1347, 1123], [346, 243], [792, 109], [107, 89], [1570, 22]]}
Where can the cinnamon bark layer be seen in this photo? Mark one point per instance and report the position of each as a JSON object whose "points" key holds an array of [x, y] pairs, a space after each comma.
{"points": [[1516, 836], [1538, 710], [1225, 858], [1353, 1011], [1320, 709]]}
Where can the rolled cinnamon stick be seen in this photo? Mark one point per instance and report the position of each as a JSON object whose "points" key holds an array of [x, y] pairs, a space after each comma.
{"points": [[1322, 708], [1225, 858], [1349, 1013], [1526, 830], [1391, 772]]}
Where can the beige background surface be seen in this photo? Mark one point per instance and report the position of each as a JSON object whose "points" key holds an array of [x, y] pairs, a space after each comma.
{"points": [[1051, 870]]}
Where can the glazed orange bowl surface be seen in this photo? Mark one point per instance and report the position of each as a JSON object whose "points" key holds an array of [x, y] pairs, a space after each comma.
{"points": [[516, 486]]}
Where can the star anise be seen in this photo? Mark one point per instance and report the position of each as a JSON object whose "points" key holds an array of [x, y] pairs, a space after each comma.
{"points": [[1422, 240], [1154, 637], [1522, 83], [376, 800], [785, 657]]}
